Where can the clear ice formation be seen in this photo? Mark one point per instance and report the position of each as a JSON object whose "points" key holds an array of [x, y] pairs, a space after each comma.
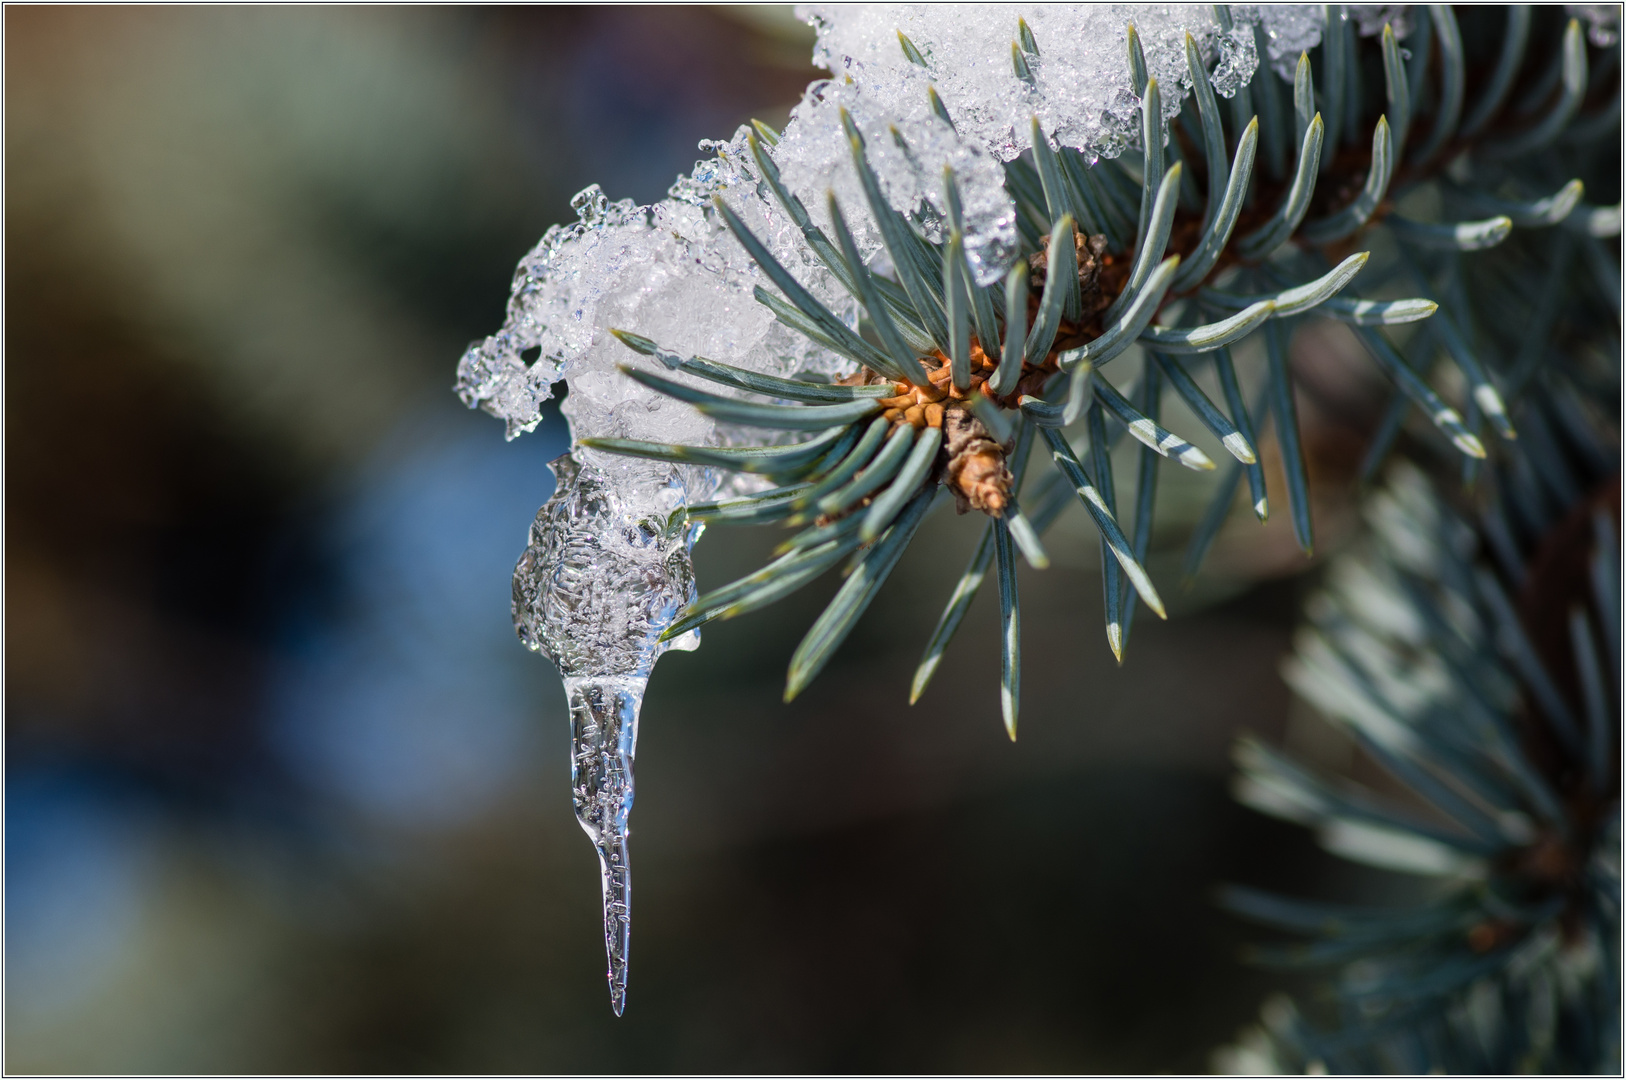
{"points": [[604, 572], [603, 740], [601, 579]]}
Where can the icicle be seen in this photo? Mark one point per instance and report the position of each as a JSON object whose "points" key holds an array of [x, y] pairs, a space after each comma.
{"points": [[603, 740], [606, 571]]}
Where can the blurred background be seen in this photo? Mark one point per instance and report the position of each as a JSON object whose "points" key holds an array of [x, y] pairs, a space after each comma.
{"points": [[284, 793]]}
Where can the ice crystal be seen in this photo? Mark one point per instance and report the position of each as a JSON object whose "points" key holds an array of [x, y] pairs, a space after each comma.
{"points": [[606, 571], [1238, 57], [670, 269]]}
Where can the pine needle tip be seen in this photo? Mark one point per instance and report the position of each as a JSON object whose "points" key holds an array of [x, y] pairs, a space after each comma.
{"points": [[765, 133], [636, 342]]}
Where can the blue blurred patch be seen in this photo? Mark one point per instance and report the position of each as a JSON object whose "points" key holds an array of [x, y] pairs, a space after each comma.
{"points": [[412, 700], [80, 856]]}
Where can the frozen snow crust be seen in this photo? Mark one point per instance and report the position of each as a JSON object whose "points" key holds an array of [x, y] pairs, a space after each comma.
{"points": [[673, 273]]}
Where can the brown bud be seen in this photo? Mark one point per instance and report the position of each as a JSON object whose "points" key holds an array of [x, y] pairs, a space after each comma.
{"points": [[975, 472]]}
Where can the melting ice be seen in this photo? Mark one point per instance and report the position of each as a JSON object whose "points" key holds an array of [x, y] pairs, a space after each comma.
{"points": [[602, 577]]}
